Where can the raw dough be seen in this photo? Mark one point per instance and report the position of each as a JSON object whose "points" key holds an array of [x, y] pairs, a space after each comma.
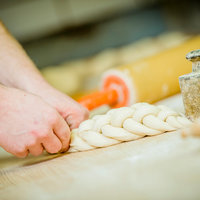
{"points": [[125, 124]]}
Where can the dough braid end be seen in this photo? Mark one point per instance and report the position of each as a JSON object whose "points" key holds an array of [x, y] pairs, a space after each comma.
{"points": [[125, 124]]}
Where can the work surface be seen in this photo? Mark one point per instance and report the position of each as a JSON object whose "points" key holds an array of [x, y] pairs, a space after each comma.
{"points": [[161, 167]]}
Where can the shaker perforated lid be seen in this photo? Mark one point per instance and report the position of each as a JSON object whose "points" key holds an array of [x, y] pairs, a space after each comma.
{"points": [[194, 55]]}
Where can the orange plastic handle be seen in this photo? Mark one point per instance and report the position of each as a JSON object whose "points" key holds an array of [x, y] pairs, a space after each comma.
{"points": [[96, 99]]}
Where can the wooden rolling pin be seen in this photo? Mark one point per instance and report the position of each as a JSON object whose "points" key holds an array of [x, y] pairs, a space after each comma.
{"points": [[148, 80]]}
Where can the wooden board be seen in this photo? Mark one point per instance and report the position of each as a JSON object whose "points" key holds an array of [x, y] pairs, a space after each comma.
{"points": [[160, 167]]}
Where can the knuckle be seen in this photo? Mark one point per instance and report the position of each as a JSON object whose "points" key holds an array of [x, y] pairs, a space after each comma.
{"points": [[32, 142], [53, 118], [38, 135], [44, 135]]}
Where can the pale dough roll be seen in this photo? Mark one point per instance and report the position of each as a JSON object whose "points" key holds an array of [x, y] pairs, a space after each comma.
{"points": [[125, 124]]}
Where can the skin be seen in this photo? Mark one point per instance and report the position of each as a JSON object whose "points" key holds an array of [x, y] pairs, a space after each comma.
{"points": [[33, 115]]}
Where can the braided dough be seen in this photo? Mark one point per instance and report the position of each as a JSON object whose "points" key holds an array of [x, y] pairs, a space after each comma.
{"points": [[125, 124]]}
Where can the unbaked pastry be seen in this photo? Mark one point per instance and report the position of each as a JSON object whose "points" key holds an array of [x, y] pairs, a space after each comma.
{"points": [[125, 124]]}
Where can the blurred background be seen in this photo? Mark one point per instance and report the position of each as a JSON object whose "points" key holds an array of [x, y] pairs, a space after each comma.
{"points": [[73, 41]]}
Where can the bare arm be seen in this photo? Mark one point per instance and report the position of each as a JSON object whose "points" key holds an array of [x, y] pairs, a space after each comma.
{"points": [[17, 70], [31, 120]]}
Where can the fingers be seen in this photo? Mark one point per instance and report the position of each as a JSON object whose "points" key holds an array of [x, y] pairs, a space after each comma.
{"points": [[62, 131], [76, 117], [35, 145], [15, 145], [21, 154], [72, 122], [21, 145], [51, 143], [36, 150], [32, 144]]}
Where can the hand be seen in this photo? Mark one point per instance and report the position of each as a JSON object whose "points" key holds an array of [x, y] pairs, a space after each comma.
{"points": [[20, 72], [73, 112], [28, 124]]}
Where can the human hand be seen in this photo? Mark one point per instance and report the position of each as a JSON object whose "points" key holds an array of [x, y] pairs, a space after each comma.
{"points": [[73, 112], [28, 124], [20, 72]]}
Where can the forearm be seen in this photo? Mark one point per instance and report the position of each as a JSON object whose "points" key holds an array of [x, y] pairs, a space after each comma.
{"points": [[16, 68], [2, 90]]}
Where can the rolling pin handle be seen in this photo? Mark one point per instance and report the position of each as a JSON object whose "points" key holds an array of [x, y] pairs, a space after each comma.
{"points": [[94, 100]]}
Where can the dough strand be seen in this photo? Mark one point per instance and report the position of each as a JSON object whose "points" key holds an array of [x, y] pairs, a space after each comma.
{"points": [[125, 124]]}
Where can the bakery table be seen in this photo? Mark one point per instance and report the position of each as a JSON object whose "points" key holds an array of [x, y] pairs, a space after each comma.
{"points": [[166, 166]]}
